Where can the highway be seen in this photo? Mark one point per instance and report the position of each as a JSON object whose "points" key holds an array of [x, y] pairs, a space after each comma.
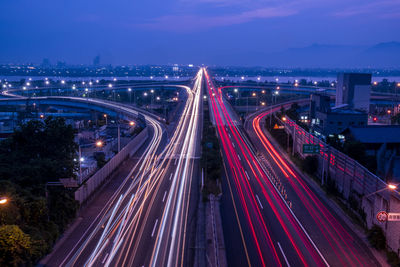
{"points": [[337, 242], [270, 234], [281, 221], [145, 222]]}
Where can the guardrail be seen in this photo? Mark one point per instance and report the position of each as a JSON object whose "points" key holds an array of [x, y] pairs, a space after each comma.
{"points": [[348, 174], [91, 184]]}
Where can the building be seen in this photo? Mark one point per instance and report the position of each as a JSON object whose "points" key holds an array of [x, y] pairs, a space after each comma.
{"points": [[326, 120], [382, 142], [353, 90]]}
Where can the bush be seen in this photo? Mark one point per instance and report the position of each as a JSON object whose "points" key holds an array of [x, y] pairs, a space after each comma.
{"points": [[392, 259], [376, 237], [15, 246]]}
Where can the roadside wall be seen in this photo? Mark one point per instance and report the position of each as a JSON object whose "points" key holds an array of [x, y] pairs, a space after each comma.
{"points": [[91, 184]]}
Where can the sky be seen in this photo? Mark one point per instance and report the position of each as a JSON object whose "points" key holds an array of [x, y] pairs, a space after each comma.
{"points": [[212, 32]]}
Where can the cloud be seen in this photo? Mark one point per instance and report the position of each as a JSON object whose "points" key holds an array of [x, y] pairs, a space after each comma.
{"points": [[195, 22], [381, 9]]}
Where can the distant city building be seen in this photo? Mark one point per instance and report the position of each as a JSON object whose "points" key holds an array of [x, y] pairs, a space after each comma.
{"points": [[45, 63], [175, 67], [96, 60], [61, 64], [353, 90], [327, 121]]}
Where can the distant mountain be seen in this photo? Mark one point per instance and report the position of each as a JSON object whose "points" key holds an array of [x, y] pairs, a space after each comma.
{"points": [[382, 55]]}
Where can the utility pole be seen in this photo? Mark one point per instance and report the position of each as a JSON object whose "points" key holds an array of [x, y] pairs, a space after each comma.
{"points": [[294, 138], [80, 165], [119, 138]]}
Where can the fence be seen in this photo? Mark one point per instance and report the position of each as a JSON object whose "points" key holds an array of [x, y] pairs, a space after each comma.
{"points": [[91, 184], [353, 181]]}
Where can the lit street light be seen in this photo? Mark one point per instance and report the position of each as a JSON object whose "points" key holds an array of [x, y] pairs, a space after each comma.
{"points": [[105, 116], [130, 95], [3, 200], [391, 187]]}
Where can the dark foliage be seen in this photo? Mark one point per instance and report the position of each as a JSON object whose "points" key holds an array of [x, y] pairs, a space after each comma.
{"points": [[376, 237], [38, 152]]}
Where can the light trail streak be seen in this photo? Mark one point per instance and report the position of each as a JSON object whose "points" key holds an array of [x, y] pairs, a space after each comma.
{"points": [[237, 136], [340, 241]]}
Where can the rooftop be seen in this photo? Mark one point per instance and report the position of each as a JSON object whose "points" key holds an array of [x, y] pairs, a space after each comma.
{"points": [[346, 111], [376, 134]]}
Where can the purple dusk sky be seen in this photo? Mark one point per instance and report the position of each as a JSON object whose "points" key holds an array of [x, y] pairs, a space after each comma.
{"points": [[222, 32]]}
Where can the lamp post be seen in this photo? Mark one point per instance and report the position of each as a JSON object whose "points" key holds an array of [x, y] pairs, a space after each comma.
{"points": [[105, 116], [98, 143], [237, 95], [391, 187], [130, 95], [81, 159]]}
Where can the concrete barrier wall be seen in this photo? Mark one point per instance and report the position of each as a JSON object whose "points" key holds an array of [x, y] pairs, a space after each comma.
{"points": [[353, 181], [91, 184]]}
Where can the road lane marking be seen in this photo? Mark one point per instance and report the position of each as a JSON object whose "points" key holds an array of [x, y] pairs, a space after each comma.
{"points": [[291, 211], [154, 228], [247, 175], [170, 177], [165, 193], [284, 256], [259, 202], [104, 260], [233, 144], [229, 135], [239, 157]]}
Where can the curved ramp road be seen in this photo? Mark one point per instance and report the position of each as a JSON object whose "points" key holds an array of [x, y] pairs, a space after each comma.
{"points": [[145, 222], [337, 242]]}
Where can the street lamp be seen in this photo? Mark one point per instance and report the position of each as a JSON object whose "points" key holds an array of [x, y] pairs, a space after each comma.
{"points": [[105, 116], [130, 95], [391, 187], [3, 200], [99, 143], [132, 123]]}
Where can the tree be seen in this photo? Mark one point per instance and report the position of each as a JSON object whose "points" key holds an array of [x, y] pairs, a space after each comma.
{"points": [[376, 237], [292, 112], [38, 152], [15, 246]]}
